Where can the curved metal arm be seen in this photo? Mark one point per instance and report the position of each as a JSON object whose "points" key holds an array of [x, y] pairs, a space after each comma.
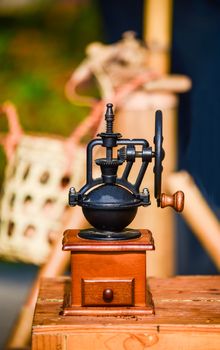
{"points": [[91, 145]]}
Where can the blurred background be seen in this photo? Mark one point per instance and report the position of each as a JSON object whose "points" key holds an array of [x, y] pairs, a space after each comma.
{"points": [[42, 42]]}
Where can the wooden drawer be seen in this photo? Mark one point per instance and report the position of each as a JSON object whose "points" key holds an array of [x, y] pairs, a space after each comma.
{"points": [[111, 292]]}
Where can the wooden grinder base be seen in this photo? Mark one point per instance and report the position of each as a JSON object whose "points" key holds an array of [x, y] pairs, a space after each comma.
{"points": [[108, 278]]}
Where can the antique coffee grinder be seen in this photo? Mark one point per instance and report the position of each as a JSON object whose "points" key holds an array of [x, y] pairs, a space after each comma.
{"points": [[108, 260]]}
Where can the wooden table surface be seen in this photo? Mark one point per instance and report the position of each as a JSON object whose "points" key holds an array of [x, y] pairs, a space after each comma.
{"points": [[187, 316]]}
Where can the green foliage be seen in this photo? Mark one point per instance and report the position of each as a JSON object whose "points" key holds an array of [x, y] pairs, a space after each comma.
{"points": [[37, 55]]}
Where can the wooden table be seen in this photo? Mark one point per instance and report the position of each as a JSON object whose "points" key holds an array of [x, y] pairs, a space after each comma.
{"points": [[187, 317]]}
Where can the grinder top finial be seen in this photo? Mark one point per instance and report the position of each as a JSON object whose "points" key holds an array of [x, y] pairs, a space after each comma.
{"points": [[109, 117]]}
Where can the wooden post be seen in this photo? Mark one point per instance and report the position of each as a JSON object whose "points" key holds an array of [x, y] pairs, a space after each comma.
{"points": [[134, 120], [157, 33]]}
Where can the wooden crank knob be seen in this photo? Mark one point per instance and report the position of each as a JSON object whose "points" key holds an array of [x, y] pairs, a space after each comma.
{"points": [[176, 201], [108, 295]]}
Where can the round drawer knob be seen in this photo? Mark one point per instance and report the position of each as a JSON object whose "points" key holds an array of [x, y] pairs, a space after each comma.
{"points": [[108, 295]]}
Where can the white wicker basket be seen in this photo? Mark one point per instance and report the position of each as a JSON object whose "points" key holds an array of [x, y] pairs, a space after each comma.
{"points": [[34, 203]]}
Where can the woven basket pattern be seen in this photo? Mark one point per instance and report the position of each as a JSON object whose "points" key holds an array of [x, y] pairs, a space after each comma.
{"points": [[34, 198]]}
